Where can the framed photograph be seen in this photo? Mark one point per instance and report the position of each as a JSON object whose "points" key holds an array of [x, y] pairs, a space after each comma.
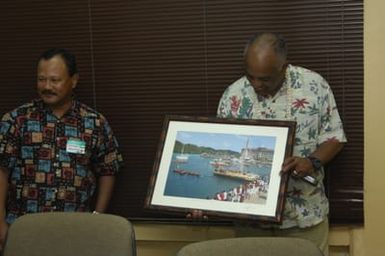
{"points": [[225, 168]]}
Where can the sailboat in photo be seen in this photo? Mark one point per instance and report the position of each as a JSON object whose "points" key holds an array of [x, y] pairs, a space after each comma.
{"points": [[239, 173], [182, 157]]}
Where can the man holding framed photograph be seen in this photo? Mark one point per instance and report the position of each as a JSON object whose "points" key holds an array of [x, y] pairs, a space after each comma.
{"points": [[273, 89]]}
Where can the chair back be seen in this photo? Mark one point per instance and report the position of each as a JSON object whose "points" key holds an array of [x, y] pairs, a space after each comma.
{"points": [[70, 234], [252, 246]]}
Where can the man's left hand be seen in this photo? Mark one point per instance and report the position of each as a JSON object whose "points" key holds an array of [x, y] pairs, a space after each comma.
{"points": [[298, 166]]}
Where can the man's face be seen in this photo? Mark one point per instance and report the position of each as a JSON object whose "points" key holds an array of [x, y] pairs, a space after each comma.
{"points": [[265, 70], [54, 84]]}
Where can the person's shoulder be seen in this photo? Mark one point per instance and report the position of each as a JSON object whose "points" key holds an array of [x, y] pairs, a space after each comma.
{"points": [[305, 76], [237, 85], [306, 73], [88, 112], [29, 106], [22, 110]]}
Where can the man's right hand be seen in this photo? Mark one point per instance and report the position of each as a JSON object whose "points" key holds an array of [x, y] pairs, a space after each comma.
{"points": [[3, 233], [4, 174]]}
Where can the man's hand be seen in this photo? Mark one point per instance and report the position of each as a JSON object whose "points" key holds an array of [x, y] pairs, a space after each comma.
{"points": [[3, 233], [298, 166], [3, 195], [301, 166], [196, 215], [106, 187]]}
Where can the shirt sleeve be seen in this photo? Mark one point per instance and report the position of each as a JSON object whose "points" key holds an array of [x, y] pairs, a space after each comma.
{"points": [[223, 110], [108, 157], [234, 103], [9, 142], [331, 127]]}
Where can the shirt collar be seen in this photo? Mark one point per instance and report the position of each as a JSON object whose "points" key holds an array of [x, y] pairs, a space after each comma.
{"points": [[74, 110]]}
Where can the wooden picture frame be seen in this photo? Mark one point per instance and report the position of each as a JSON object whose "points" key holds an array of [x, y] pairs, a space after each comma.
{"points": [[224, 167]]}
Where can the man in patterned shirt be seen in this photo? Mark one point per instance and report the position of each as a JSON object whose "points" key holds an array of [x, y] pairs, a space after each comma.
{"points": [[55, 150], [273, 89]]}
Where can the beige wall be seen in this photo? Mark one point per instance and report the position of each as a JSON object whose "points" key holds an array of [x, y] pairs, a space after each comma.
{"points": [[374, 181]]}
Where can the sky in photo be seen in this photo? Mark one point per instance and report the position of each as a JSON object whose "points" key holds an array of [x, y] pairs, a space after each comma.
{"points": [[225, 141]]}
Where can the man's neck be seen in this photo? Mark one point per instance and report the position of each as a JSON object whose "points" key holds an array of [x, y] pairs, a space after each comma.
{"points": [[59, 111]]}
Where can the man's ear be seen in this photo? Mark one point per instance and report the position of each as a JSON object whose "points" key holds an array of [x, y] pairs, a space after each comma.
{"points": [[285, 63], [284, 66], [75, 79]]}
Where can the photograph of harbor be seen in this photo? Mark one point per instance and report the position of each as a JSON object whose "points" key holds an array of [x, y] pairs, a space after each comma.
{"points": [[222, 167]]}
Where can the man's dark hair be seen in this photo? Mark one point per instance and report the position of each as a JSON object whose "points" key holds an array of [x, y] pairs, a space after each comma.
{"points": [[67, 56], [275, 40]]}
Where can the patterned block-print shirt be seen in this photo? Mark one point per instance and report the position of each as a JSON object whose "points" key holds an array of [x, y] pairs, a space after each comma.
{"points": [[305, 97], [53, 163]]}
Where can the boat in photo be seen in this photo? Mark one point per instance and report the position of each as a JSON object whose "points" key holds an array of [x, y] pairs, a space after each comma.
{"points": [[236, 174], [219, 163], [185, 172], [182, 158], [240, 173]]}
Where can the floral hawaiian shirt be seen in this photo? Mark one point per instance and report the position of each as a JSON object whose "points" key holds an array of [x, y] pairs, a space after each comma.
{"points": [[54, 163], [305, 97]]}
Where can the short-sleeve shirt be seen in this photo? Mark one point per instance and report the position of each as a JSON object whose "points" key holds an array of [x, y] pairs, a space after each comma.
{"points": [[305, 97], [53, 163]]}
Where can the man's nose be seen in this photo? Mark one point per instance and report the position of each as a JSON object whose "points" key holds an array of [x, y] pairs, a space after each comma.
{"points": [[258, 84], [46, 84]]}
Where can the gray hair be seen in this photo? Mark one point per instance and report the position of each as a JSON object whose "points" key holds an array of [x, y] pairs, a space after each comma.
{"points": [[267, 38]]}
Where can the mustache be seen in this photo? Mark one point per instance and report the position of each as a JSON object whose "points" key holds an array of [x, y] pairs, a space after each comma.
{"points": [[47, 92]]}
